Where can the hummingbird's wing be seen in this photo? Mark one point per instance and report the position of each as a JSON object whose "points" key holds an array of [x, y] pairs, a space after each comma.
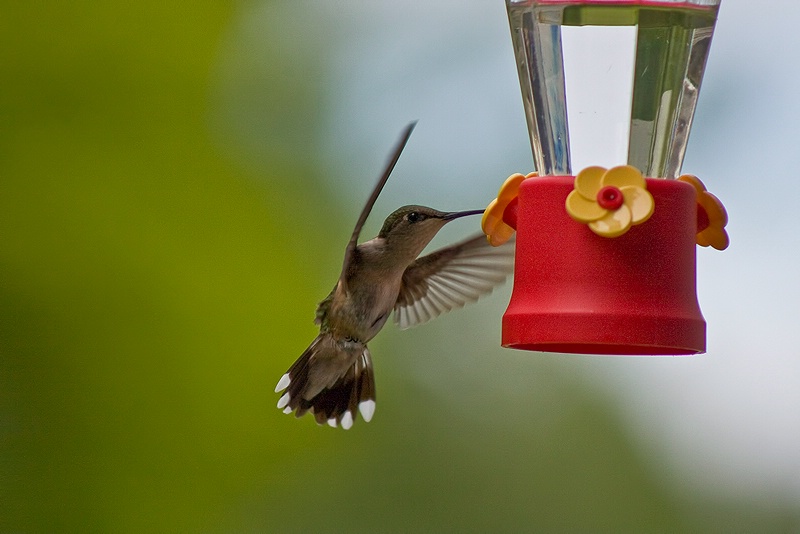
{"points": [[321, 317], [351, 246], [451, 277]]}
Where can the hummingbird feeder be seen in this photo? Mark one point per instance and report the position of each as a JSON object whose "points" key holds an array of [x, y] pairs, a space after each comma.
{"points": [[605, 257]]}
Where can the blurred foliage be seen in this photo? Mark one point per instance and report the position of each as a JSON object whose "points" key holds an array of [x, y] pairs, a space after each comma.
{"points": [[151, 292]]}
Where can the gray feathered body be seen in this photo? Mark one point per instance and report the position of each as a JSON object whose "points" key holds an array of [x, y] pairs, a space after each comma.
{"points": [[372, 284]]}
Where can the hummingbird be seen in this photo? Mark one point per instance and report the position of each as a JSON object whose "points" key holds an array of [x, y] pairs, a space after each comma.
{"points": [[334, 378]]}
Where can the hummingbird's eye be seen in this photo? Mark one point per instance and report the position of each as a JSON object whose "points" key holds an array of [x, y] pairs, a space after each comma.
{"points": [[413, 217]]}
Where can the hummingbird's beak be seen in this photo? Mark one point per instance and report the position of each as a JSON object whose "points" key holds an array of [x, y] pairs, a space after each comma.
{"points": [[457, 214]]}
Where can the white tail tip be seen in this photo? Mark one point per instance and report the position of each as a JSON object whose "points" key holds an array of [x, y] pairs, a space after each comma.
{"points": [[347, 420], [367, 409], [283, 383], [283, 401]]}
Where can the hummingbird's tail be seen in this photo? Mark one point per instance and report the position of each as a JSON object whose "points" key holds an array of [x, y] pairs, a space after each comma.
{"points": [[333, 380]]}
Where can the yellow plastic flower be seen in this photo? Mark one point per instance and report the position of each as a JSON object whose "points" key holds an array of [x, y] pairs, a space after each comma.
{"points": [[711, 216], [497, 230], [610, 201]]}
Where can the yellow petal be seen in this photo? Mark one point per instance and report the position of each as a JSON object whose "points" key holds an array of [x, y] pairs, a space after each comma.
{"points": [[694, 181], [714, 237], [614, 224], [639, 201], [492, 224], [510, 188], [496, 230], [624, 175], [492, 216], [500, 235], [587, 182], [714, 209], [583, 210]]}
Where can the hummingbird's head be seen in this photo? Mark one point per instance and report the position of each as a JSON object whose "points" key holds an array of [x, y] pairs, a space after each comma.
{"points": [[411, 228]]}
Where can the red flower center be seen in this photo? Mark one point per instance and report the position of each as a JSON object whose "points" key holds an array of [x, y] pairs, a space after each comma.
{"points": [[702, 218], [510, 213], [610, 197]]}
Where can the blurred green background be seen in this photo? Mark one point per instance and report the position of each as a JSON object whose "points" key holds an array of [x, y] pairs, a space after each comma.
{"points": [[153, 288]]}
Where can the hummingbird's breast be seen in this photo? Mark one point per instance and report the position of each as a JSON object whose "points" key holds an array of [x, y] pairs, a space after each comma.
{"points": [[360, 312]]}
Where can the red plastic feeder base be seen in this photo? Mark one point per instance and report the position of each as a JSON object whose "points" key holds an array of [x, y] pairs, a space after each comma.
{"points": [[577, 292]]}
